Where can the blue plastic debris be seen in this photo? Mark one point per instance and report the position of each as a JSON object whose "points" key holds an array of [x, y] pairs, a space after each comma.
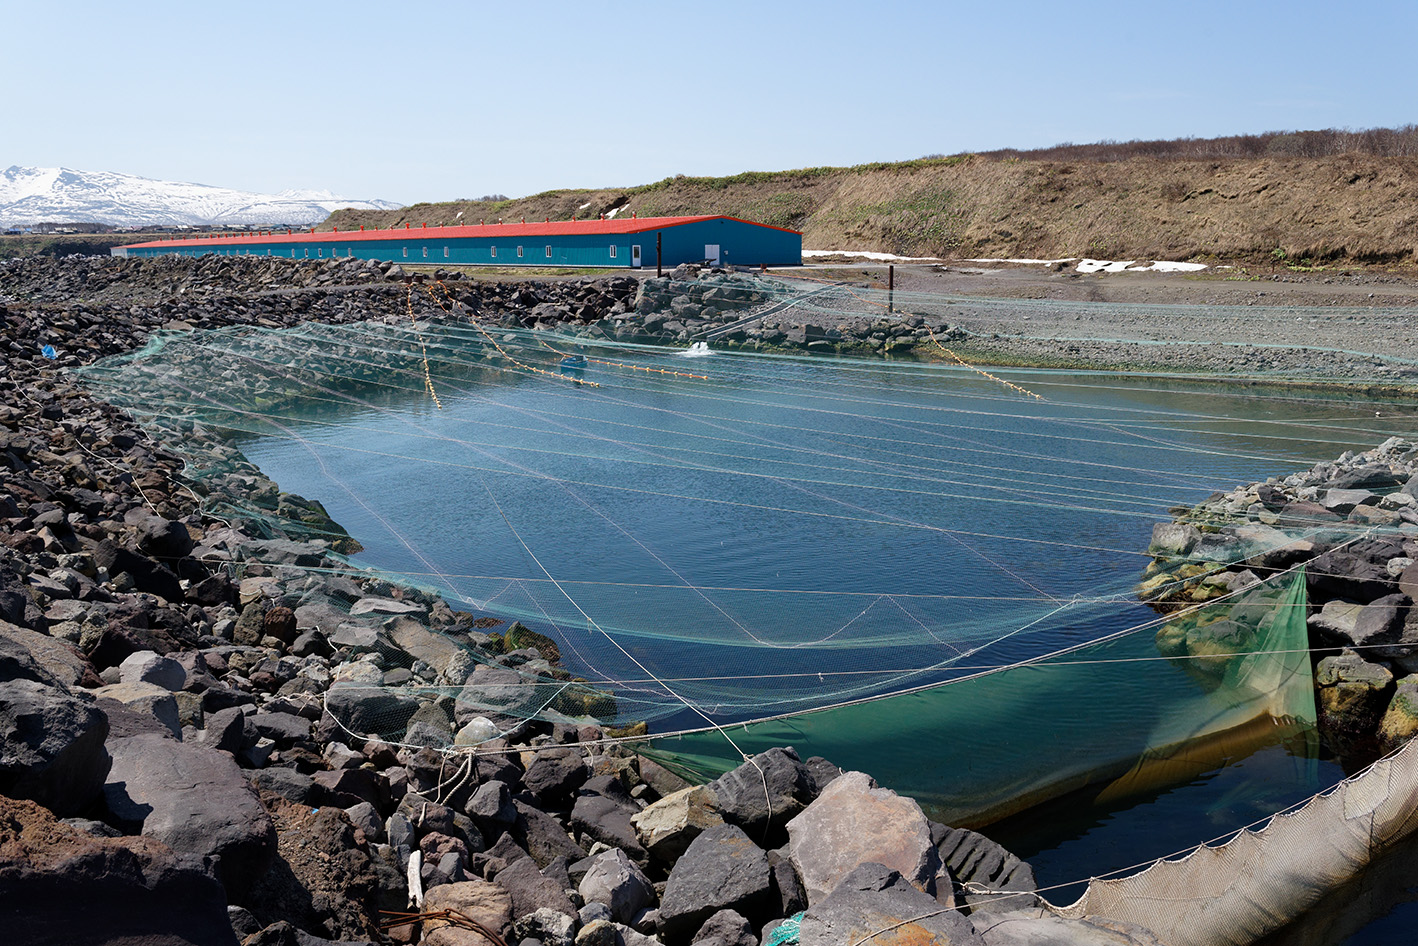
{"points": [[49, 352], [788, 932]]}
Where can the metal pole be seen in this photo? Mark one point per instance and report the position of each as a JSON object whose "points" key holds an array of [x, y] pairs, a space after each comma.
{"points": [[890, 287], [658, 270]]}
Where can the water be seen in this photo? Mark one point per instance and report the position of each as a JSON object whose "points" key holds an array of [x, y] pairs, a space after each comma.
{"points": [[783, 531]]}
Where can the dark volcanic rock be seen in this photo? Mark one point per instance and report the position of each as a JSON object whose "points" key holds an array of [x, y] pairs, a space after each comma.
{"points": [[61, 886], [194, 799], [873, 898], [721, 870], [51, 746]]}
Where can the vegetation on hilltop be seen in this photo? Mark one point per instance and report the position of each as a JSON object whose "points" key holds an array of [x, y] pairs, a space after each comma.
{"points": [[1317, 196]]}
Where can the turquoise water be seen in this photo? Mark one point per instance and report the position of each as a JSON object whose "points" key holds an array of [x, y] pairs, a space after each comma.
{"points": [[785, 532]]}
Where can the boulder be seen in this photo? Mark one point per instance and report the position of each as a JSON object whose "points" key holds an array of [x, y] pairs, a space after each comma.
{"points": [[1352, 693], [542, 836], [721, 870], [765, 793], [145, 699], [369, 709], [144, 666], [606, 820], [62, 661], [193, 799], [555, 773], [59, 884], [51, 746], [1400, 720], [852, 823], [667, 827], [532, 891], [971, 858], [486, 904], [726, 928], [872, 898], [615, 880]]}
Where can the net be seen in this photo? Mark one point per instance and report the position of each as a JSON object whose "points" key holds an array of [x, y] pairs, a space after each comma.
{"points": [[678, 539]]}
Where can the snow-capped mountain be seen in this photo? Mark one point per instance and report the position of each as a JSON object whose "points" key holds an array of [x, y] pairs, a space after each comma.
{"points": [[62, 195]]}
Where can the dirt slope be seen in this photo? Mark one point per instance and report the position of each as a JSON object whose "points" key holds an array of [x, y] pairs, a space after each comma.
{"points": [[1353, 208]]}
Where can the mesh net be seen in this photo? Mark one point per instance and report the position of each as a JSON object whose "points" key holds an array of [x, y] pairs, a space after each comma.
{"points": [[655, 537]]}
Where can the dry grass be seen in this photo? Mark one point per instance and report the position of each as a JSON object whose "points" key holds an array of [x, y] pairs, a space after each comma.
{"points": [[1346, 208]]}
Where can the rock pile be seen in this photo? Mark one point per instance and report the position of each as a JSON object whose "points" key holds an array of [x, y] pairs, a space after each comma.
{"points": [[1353, 524], [192, 710]]}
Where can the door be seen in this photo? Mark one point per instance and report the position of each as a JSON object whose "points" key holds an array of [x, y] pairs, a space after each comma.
{"points": [[711, 253], [635, 256]]}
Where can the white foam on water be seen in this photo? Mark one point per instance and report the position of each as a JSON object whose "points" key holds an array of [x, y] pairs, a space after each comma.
{"points": [[697, 350]]}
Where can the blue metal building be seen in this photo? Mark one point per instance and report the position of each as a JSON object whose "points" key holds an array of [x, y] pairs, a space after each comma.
{"points": [[630, 242]]}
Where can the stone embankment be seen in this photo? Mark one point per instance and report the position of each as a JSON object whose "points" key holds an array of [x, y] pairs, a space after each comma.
{"points": [[1353, 525], [182, 701]]}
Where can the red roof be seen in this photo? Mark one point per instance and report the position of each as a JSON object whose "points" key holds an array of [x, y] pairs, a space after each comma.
{"points": [[509, 231]]}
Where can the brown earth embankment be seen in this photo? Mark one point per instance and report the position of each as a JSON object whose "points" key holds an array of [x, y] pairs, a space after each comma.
{"points": [[1350, 208]]}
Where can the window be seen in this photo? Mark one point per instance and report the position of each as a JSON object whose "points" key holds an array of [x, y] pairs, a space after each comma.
{"points": [[445, 252], [519, 252], [425, 252], [612, 251], [548, 252], [406, 252], [320, 252], [292, 252], [494, 252], [307, 252]]}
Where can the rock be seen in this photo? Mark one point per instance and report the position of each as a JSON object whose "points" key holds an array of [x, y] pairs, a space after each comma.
{"points": [[742, 798], [1173, 539], [483, 903], [873, 897], [62, 885], [555, 773], [491, 804], [726, 928], [542, 836], [320, 878], [667, 827], [369, 709], [146, 699], [1381, 622], [852, 823], [1400, 720], [385, 606], [597, 933], [288, 784], [971, 858], [659, 778], [63, 662], [532, 891], [721, 870], [1352, 694], [193, 799], [608, 821], [51, 746], [616, 881], [549, 927], [1336, 619]]}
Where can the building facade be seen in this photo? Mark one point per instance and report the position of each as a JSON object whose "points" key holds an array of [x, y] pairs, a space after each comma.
{"points": [[630, 242]]}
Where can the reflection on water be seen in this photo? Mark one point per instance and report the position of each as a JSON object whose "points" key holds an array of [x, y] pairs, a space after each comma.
{"points": [[792, 516]]}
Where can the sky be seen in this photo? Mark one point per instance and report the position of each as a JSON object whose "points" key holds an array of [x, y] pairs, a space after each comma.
{"points": [[430, 101]]}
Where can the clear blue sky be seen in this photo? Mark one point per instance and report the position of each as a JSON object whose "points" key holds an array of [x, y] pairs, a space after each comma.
{"points": [[434, 101]]}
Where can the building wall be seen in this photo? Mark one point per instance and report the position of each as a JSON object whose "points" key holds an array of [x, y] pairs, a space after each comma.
{"points": [[743, 244]]}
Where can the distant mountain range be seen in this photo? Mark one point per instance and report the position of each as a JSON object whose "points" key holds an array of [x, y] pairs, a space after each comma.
{"points": [[63, 195]]}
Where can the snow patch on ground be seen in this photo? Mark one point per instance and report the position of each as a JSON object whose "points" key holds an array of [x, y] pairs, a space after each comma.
{"points": [[1026, 262], [866, 254], [1103, 265], [610, 214], [584, 206]]}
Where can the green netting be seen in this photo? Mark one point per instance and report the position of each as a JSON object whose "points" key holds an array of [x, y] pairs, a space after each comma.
{"points": [[1110, 715], [720, 538]]}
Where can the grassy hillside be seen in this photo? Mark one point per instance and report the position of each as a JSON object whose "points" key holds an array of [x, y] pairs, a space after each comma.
{"points": [[1336, 207]]}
